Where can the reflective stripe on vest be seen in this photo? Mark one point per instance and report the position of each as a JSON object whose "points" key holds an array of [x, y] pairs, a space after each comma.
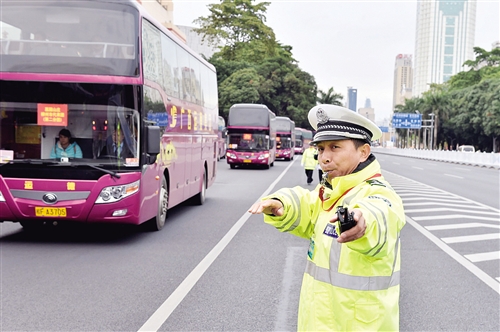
{"points": [[360, 283], [295, 202]]}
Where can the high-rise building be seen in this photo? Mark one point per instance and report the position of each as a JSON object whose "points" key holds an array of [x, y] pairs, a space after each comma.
{"points": [[403, 79], [444, 40], [352, 97], [367, 111]]}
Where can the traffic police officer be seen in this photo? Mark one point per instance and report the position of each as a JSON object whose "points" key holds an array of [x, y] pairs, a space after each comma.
{"points": [[351, 281]]}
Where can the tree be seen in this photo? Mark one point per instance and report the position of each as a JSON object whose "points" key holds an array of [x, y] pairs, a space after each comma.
{"points": [[486, 65], [236, 23], [329, 97], [241, 87]]}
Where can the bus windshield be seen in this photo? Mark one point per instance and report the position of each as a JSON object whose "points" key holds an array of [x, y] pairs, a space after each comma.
{"points": [[69, 37], [95, 132], [248, 142]]}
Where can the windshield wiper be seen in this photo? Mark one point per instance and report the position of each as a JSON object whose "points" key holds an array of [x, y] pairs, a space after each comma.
{"points": [[107, 171]]}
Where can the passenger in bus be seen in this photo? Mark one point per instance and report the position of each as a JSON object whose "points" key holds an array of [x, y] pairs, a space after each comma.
{"points": [[116, 146], [64, 147]]}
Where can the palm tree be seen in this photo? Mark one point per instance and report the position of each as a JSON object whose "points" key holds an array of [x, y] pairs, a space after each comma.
{"points": [[329, 97], [435, 102]]}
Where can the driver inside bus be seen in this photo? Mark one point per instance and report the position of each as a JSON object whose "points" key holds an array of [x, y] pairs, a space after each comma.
{"points": [[116, 146]]}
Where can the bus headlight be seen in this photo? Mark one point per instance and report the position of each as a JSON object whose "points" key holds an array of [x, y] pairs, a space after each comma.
{"points": [[263, 156], [116, 193], [231, 155]]}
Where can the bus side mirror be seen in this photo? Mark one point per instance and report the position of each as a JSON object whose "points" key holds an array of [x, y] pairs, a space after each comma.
{"points": [[152, 143]]}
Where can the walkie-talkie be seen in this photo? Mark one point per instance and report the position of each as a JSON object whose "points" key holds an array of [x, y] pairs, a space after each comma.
{"points": [[346, 219]]}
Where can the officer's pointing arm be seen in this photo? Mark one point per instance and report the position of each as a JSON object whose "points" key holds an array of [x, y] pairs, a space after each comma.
{"points": [[268, 206]]}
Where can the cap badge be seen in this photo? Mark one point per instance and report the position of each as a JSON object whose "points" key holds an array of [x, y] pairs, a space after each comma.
{"points": [[321, 116]]}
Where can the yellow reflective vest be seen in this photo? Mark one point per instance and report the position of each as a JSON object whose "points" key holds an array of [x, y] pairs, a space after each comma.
{"points": [[308, 160], [352, 286]]}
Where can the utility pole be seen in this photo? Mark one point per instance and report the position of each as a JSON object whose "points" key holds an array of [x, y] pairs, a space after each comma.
{"points": [[432, 130]]}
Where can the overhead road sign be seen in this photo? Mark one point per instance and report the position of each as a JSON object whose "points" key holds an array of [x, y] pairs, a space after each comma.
{"points": [[407, 120]]}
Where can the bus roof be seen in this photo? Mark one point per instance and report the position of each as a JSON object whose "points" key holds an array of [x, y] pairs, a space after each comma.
{"points": [[253, 115]]}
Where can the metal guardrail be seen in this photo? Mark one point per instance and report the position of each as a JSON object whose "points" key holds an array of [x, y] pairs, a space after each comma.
{"points": [[482, 159]]}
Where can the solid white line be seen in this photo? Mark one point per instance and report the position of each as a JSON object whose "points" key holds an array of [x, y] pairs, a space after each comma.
{"points": [[484, 256], [454, 176], [283, 310], [483, 276], [451, 210], [454, 216], [471, 238], [441, 204], [460, 226], [165, 310]]}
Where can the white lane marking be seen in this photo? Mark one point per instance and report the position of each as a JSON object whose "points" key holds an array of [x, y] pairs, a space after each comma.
{"points": [[454, 176], [417, 167], [462, 169], [165, 310], [471, 238], [282, 316], [454, 216], [442, 204], [460, 226], [396, 163], [444, 209], [483, 256], [483, 276]]}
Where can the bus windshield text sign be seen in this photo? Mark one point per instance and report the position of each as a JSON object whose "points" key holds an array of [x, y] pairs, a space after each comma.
{"points": [[52, 115]]}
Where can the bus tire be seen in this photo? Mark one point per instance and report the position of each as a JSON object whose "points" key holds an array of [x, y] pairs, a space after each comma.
{"points": [[156, 223], [233, 166], [199, 198]]}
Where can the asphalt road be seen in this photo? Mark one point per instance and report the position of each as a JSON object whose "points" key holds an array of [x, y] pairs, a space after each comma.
{"points": [[217, 268]]}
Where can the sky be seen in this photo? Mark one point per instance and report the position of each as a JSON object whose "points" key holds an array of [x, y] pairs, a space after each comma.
{"points": [[350, 43]]}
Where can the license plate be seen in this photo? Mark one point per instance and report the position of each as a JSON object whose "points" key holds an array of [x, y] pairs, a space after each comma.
{"points": [[50, 212], [247, 161]]}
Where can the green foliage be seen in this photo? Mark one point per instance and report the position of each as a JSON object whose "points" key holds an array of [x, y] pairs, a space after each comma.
{"points": [[329, 97], [240, 87], [238, 25], [252, 67]]}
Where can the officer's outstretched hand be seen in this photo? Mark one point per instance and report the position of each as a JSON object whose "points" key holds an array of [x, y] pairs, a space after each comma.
{"points": [[354, 233], [268, 206]]}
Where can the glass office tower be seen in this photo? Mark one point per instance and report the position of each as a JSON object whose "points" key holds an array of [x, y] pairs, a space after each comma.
{"points": [[444, 40]]}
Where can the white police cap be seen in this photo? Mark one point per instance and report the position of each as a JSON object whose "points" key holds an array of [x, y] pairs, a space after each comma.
{"points": [[333, 123]]}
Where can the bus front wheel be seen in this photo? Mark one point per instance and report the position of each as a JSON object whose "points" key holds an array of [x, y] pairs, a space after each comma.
{"points": [[156, 223], [199, 199]]}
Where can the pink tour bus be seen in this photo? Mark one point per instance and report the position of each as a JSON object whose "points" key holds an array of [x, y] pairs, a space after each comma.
{"points": [[141, 110], [285, 138], [251, 133], [302, 139]]}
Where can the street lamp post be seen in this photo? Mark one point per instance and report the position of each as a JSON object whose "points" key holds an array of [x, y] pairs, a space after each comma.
{"points": [[432, 130]]}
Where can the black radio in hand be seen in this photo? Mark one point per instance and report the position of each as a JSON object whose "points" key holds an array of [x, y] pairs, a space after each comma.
{"points": [[346, 219]]}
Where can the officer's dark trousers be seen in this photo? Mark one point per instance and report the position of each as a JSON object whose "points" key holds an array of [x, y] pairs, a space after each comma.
{"points": [[309, 174]]}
